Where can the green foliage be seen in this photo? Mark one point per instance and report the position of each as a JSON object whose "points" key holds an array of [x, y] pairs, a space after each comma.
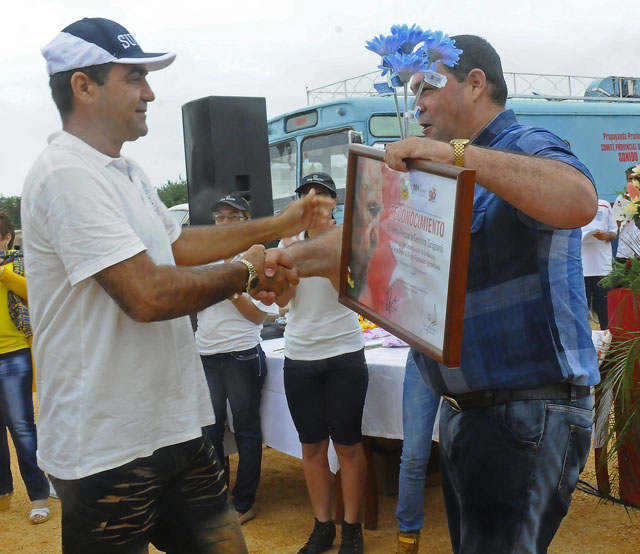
{"points": [[623, 275], [620, 384], [174, 192], [11, 206]]}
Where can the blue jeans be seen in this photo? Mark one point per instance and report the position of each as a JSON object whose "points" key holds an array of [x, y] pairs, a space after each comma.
{"points": [[16, 413], [238, 377], [419, 408], [508, 472], [175, 499]]}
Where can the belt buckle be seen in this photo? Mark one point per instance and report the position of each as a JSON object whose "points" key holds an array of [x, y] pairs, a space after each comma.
{"points": [[453, 402]]}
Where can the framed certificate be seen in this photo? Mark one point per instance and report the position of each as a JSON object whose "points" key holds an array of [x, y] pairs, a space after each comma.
{"points": [[405, 249]]}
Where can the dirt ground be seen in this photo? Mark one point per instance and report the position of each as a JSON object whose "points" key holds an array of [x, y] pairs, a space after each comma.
{"points": [[285, 519]]}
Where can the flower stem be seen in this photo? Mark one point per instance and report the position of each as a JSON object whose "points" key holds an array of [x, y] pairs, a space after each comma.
{"points": [[406, 108], [395, 98]]}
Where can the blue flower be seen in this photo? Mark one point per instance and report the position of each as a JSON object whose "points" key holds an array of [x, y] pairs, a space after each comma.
{"points": [[441, 48], [405, 65], [385, 68], [384, 46], [409, 37]]}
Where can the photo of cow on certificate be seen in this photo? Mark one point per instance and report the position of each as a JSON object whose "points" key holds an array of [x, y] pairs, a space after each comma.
{"points": [[405, 249]]}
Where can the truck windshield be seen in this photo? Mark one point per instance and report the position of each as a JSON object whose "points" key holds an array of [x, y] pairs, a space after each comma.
{"points": [[283, 157], [327, 153], [387, 126]]}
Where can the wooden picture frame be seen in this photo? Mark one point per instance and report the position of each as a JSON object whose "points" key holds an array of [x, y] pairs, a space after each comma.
{"points": [[405, 249]]}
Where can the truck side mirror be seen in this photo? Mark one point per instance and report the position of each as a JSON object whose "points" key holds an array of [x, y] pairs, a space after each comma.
{"points": [[355, 137]]}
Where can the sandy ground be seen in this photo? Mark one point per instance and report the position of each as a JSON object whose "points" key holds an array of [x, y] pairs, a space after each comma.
{"points": [[285, 519]]}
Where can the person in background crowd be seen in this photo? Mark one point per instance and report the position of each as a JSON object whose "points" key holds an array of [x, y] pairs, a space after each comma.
{"points": [[16, 378], [629, 235], [419, 409], [122, 392], [597, 257], [228, 340], [325, 381]]}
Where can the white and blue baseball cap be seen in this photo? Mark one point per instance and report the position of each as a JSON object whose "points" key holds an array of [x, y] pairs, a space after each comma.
{"points": [[94, 41]]}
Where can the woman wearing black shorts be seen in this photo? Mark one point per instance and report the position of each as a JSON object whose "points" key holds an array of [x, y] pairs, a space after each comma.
{"points": [[326, 378]]}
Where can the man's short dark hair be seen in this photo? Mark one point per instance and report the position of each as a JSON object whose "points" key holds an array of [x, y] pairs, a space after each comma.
{"points": [[60, 84], [628, 171], [6, 226], [478, 53]]}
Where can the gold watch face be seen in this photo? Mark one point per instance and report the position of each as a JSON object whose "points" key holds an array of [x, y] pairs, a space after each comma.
{"points": [[253, 283]]}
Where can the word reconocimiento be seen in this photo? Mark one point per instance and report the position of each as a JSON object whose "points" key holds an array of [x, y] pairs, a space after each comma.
{"points": [[417, 220]]}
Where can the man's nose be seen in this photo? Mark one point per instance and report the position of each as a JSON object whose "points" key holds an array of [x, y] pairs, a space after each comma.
{"points": [[147, 93], [374, 236]]}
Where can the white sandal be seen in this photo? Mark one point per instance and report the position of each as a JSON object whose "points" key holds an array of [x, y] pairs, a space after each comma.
{"points": [[39, 515]]}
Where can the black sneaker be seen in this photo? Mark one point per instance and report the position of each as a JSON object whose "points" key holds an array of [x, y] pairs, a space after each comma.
{"points": [[321, 538], [352, 541]]}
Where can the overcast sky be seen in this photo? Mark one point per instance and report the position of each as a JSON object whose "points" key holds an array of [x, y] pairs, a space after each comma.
{"points": [[276, 48]]}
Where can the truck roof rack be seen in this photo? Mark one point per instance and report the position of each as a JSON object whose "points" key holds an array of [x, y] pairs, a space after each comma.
{"points": [[520, 85]]}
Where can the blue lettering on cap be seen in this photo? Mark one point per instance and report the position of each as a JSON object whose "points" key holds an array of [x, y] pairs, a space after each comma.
{"points": [[106, 34]]}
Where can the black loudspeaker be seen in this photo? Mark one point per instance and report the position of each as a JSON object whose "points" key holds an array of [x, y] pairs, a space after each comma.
{"points": [[226, 150]]}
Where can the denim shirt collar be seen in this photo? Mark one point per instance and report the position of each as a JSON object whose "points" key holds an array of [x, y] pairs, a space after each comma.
{"points": [[498, 124]]}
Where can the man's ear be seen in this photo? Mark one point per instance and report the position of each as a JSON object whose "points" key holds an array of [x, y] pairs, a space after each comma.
{"points": [[478, 81], [83, 87]]}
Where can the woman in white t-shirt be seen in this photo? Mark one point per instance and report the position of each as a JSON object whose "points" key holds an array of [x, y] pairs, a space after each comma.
{"points": [[228, 340], [326, 379]]}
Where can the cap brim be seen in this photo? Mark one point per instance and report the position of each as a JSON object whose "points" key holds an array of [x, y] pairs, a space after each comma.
{"points": [[153, 62], [233, 204], [308, 183], [67, 52]]}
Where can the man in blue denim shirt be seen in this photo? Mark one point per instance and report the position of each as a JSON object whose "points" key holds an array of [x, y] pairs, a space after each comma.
{"points": [[515, 432]]}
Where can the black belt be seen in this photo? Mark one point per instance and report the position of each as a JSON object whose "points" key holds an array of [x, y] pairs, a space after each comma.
{"points": [[488, 398]]}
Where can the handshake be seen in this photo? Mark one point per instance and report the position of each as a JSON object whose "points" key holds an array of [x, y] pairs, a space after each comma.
{"points": [[275, 273], [280, 268]]}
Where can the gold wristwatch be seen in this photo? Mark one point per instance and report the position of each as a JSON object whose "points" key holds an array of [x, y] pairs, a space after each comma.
{"points": [[252, 280], [458, 151]]}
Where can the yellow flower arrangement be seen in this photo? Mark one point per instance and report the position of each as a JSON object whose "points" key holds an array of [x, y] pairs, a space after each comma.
{"points": [[365, 324]]}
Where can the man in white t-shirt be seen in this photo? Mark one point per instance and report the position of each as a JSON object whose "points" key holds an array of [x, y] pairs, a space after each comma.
{"points": [[597, 257], [122, 392]]}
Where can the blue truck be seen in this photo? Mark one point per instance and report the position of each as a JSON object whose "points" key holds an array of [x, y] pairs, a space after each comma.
{"points": [[598, 117]]}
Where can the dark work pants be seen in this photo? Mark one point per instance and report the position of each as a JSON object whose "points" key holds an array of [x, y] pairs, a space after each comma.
{"points": [[597, 297], [238, 377]]}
